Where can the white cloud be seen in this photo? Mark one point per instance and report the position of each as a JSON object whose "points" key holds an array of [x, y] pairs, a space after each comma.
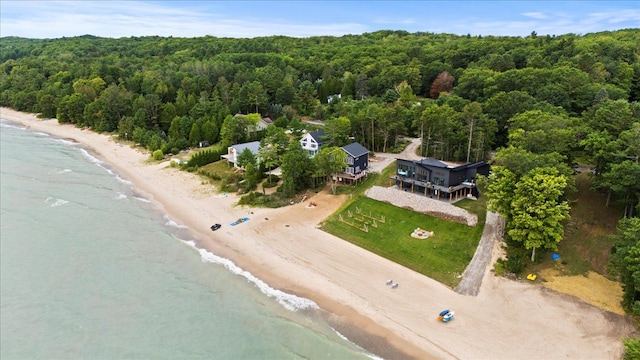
{"points": [[536, 15], [54, 19]]}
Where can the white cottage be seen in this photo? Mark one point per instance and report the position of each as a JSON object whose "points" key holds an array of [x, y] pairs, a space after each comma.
{"points": [[312, 142], [234, 150]]}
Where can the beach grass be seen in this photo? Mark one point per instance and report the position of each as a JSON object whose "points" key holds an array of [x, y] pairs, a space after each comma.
{"points": [[442, 257]]}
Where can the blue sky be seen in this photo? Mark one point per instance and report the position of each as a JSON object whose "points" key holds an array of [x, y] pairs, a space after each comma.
{"points": [[54, 19]]}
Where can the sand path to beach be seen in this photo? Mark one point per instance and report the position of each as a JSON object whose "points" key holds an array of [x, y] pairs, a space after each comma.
{"points": [[506, 320]]}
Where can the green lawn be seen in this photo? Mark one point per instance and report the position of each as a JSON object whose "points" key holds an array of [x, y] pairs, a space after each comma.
{"points": [[442, 257]]}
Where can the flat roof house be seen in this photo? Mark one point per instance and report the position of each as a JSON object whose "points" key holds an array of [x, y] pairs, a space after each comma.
{"points": [[436, 178], [234, 150]]}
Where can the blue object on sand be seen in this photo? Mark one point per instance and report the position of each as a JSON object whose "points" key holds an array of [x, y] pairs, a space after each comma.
{"points": [[555, 256], [239, 221], [443, 312]]}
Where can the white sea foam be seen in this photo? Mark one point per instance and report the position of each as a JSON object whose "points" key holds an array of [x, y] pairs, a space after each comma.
{"points": [[366, 353], [99, 162], [59, 171], [289, 301], [121, 196], [127, 182], [91, 158], [3, 124], [59, 202], [172, 223], [41, 133], [142, 199], [67, 142]]}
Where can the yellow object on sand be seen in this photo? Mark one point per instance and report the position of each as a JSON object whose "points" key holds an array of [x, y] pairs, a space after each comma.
{"points": [[532, 277]]}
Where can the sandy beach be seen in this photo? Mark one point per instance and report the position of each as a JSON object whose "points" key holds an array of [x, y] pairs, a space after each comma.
{"points": [[284, 247]]}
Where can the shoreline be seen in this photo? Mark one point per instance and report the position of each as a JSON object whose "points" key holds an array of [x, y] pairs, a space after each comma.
{"points": [[506, 320]]}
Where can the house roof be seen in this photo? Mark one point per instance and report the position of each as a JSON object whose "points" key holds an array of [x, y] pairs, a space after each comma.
{"points": [[439, 164], [432, 162], [254, 146], [318, 136], [355, 149], [267, 120]]}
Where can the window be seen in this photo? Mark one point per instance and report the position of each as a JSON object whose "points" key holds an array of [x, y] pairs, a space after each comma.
{"points": [[349, 160]]}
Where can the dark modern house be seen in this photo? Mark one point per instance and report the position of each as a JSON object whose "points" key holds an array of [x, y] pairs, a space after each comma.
{"points": [[438, 179], [357, 162]]}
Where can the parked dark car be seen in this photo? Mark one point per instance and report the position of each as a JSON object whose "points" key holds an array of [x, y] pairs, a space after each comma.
{"points": [[215, 227]]}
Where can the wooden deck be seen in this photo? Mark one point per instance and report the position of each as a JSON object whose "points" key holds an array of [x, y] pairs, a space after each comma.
{"points": [[451, 193]]}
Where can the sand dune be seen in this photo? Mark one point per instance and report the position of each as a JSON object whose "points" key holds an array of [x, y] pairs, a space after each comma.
{"points": [[507, 320]]}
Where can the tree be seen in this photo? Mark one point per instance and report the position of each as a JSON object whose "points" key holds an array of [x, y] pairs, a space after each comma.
{"points": [[245, 158], [442, 83], [337, 131], [471, 115], [631, 349], [251, 176], [537, 210], [362, 86], [435, 120], [542, 132], [389, 125], [234, 131], [89, 88], [330, 160], [195, 135], [500, 186], [273, 147], [71, 109], [306, 97], [210, 131], [623, 180], [296, 169], [625, 262], [254, 94]]}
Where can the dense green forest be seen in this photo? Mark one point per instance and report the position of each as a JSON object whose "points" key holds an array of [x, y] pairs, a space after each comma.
{"points": [[534, 105]]}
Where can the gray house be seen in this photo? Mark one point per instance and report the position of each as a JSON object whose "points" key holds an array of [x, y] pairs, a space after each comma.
{"points": [[438, 179], [357, 162]]}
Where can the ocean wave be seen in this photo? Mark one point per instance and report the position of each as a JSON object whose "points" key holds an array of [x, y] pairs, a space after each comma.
{"points": [[42, 133], [91, 158], [127, 182], [172, 223], [289, 301], [59, 171], [142, 199], [366, 353], [112, 173], [99, 162], [67, 142], [17, 127], [55, 202], [121, 196]]}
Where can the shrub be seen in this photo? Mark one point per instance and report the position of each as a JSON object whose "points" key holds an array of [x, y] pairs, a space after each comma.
{"points": [[210, 174], [203, 158], [158, 155]]}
